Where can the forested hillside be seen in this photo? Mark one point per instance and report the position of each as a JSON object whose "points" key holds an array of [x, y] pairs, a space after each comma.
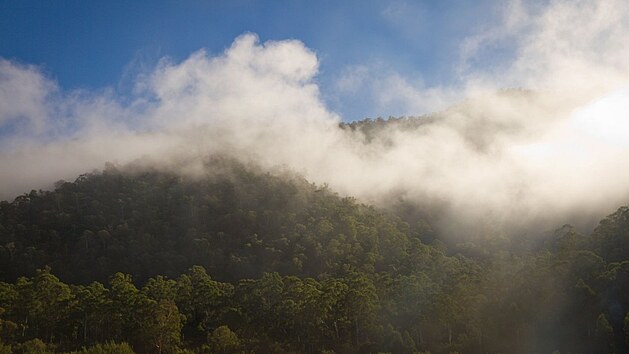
{"points": [[237, 260], [234, 222]]}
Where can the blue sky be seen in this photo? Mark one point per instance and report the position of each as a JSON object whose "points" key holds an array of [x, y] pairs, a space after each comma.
{"points": [[96, 45]]}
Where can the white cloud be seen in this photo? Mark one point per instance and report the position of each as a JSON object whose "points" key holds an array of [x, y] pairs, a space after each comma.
{"points": [[254, 97], [519, 155], [352, 79], [23, 95], [390, 94]]}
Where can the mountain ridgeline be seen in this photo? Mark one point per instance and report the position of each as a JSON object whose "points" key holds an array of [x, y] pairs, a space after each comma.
{"points": [[238, 260], [237, 224]]}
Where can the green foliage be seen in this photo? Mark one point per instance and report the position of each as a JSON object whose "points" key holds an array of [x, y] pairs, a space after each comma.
{"points": [[611, 237], [242, 261], [161, 326], [5, 349], [235, 223], [223, 341], [604, 335], [108, 348], [33, 346]]}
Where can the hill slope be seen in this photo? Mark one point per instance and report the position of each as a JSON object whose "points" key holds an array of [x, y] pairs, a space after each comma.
{"points": [[252, 261], [234, 222]]}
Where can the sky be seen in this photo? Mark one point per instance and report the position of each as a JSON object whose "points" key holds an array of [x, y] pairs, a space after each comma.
{"points": [[529, 100], [98, 45]]}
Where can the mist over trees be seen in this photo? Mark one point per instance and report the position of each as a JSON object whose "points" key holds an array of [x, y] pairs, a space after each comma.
{"points": [[245, 213], [134, 259]]}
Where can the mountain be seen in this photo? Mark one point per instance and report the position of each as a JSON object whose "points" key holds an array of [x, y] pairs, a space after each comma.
{"points": [[234, 222], [236, 259]]}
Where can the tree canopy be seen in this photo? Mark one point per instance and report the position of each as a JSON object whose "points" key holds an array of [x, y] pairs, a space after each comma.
{"points": [[238, 261]]}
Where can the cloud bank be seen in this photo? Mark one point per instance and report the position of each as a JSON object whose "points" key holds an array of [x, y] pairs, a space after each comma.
{"points": [[557, 150]]}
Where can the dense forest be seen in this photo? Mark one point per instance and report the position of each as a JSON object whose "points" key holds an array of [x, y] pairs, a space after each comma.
{"points": [[238, 260]]}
